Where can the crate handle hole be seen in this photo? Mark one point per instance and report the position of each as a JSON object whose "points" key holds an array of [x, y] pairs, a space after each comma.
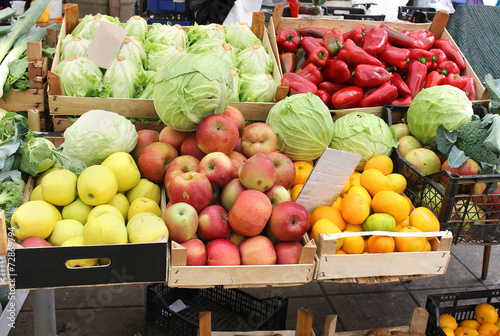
{"points": [[87, 263]]}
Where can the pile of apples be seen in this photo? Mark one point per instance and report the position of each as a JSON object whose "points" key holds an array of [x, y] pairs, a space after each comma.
{"points": [[228, 190]]}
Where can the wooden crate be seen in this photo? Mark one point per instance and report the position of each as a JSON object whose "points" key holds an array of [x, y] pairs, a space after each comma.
{"points": [[382, 267], [437, 27], [45, 267], [61, 106]]}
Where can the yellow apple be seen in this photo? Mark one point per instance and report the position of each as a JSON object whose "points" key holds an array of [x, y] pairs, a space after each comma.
{"points": [[34, 219], [77, 210], [120, 202], [59, 187], [65, 229], [144, 229], [38, 179], [108, 228], [102, 209], [143, 204], [144, 188], [77, 241], [97, 185], [36, 194], [123, 166]]}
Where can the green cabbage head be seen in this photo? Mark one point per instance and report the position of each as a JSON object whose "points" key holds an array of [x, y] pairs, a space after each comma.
{"points": [[438, 105], [191, 88], [80, 77], [88, 25], [303, 125], [365, 134]]}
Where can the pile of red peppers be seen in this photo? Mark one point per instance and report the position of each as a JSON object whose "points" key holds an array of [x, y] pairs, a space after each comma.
{"points": [[368, 67]]}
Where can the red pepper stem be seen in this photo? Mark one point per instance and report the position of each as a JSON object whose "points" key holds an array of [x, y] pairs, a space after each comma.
{"points": [[290, 37], [321, 55], [445, 71]]}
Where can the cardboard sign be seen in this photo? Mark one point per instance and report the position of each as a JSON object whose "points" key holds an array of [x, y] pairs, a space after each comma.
{"points": [[330, 174], [106, 44]]}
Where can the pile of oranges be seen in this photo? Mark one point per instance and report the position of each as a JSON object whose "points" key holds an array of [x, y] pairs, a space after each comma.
{"points": [[372, 200], [486, 323]]}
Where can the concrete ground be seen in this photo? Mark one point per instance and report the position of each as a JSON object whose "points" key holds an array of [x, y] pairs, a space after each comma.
{"points": [[121, 310]]}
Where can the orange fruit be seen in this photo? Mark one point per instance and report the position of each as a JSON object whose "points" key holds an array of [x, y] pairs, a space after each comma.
{"points": [[355, 209], [362, 191], [470, 323], [346, 187], [354, 179], [353, 227], [423, 219], [410, 244], [383, 163], [326, 212], [397, 182], [428, 247], [379, 222], [374, 181], [380, 244], [302, 172], [325, 226], [353, 245], [497, 323], [409, 202], [488, 329], [447, 321], [448, 331], [337, 202], [296, 191], [340, 252], [311, 163], [485, 312], [391, 203], [498, 333], [466, 331]]}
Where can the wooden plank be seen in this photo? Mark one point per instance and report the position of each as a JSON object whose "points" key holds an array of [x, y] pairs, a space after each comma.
{"points": [[51, 38], [178, 254], [35, 64], [330, 325], [24, 100], [34, 123], [419, 320], [277, 14], [364, 332], [308, 253], [114, 8], [274, 45], [439, 23], [258, 24], [55, 85], [205, 324], [304, 322], [71, 17], [254, 333]]}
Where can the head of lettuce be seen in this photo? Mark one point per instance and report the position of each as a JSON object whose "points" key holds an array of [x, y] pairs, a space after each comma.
{"points": [[191, 88]]}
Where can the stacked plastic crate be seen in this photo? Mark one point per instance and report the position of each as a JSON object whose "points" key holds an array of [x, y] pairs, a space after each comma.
{"points": [[169, 12]]}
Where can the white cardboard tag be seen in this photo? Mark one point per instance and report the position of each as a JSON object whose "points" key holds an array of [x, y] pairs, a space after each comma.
{"points": [[330, 174], [106, 44]]}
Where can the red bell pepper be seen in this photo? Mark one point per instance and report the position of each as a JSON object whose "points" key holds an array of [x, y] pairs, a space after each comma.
{"points": [[287, 61], [424, 38], [300, 58], [367, 75], [296, 87], [337, 33], [402, 101], [433, 78], [313, 31], [399, 83], [318, 57], [348, 97], [417, 73], [325, 97], [383, 95], [451, 52], [448, 67], [405, 31], [421, 55], [312, 73], [354, 55], [330, 87], [356, 35], [375, 40], [395, 56], [398, 38], [470, 89], [309, 44], [331, 43], [455, 80], [336, 71], [287, 40], [291, 77], [438, 57], [294, 7]]}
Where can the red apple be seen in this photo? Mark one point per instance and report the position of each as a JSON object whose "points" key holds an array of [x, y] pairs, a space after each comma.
{"points": [[154, 160], [289, 221], [250, 213], [144, 138], [236, 238], [217, 133], [196, 252], [258, 138], [35, 242], [190, 147], [285, 170], [231, 192], [469, 167], [237, 148], [490, 200], [213, 223], [258, 250], [288, 252], [278, 194], [173, 137], [179, 165], [237, 159], [222, 252], [236, 116], [192, 188], [217, 167], [258, 172], [181, 220]]}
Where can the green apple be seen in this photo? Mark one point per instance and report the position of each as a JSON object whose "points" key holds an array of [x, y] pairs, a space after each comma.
{"points": [[59, 187], [108, 228], [102, 209], [143, 204], [125, 169], [34, 219], [65, 229], [144, 188], [96, 185], [78, 241], [120, 201], [77, 210], [147, 228]]}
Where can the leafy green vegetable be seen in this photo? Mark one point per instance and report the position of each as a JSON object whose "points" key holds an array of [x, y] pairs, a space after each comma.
{"points": [[493, 87], [431, 107], [198, 32], [167, 35], [36, 155], [137, 27], [123, 79], [80, 77], [240, 36], [191, 88], [220, 49], [303, 125], [159, 55], [133, 50], [11, 193], [257, 88], [364, 134], [254, 60], [4, 30], [13, 127], [6, 13], [88, 25], [74, 46], [18, 79]]}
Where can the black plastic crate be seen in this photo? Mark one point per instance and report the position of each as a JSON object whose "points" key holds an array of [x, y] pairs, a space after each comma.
{"points": [[472, 218], [416, 14], [459, 305], [231, 309]]}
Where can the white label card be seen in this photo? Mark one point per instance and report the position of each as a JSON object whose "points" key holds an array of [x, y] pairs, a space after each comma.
{"points": [[106, 44]]}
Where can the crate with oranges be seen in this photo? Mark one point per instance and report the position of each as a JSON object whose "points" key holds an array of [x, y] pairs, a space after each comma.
{"points": [[373, 230]]}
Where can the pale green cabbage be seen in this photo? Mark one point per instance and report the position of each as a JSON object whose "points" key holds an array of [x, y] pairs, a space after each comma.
{"points": [[240, 36], [159, 55], [257, 88], [88, 25], [80, 77], [303, 125], [73, 46], [137, 27], [123, 79], [235, 96], [438, 105], [199, 32], [133, 50], [191, 88], [254, 60], [168, 35], [220, 49], [365, 134], [97, 134]]}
